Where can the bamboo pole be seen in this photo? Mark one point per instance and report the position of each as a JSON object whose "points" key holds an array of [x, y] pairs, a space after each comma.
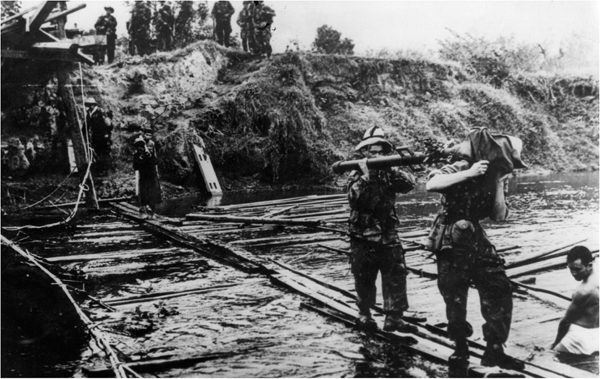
{"points": [[250, 220], [536, 257], [74, 128]]}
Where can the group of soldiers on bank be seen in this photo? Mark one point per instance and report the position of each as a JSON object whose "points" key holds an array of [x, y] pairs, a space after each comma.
{"points": [[254, 20]]}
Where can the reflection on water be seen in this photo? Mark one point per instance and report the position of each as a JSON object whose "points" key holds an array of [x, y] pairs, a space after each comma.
{"points": [[417, 203]]}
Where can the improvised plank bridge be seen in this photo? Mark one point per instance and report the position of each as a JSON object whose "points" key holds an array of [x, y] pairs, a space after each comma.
{"points": [[246, 237]]}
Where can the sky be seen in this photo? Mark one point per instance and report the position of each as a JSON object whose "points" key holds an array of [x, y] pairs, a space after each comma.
{"points": [[405, 25]]}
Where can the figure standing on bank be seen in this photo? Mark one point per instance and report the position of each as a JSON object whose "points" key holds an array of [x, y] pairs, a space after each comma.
{"points": [[100, 130], [221, 14], [107, 25], [263, 19]]}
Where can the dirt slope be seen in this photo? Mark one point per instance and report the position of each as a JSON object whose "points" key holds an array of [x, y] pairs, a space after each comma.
{"points": [[283, 122]]}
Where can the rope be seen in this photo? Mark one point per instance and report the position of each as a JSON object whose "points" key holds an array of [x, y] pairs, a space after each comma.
{"points": [[51, 193], [82, 188]]}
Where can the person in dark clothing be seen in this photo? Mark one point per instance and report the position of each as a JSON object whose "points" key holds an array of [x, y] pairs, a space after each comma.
{"points": [[100, 128], [221, 14], [148, 185], [263, 19], [164, 27], [107, 25], [473, 189], [139, 29], [374, 242], [246, 24]]}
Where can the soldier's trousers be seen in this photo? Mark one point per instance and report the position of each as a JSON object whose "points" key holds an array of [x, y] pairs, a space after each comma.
{"points": [[262, 39], [247, 35], [367, 260], [222, 32], [457, 269], [110, 47]]}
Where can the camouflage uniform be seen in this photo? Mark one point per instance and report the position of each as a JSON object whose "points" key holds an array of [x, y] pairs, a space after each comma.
{"points": [[222, 12], [246, 25], [466, 256], [107, 25], [263, 19], [164, 27], [375, 245]]}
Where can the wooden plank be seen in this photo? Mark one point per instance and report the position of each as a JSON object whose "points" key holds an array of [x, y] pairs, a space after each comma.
{"points": [[208, 172], [15, 16], [216, 250], [165, 295], [540, 255], [323, 213], [279, 211], [250, 220], [286, 237], [39, 17], [302, 199], [112, 255]]}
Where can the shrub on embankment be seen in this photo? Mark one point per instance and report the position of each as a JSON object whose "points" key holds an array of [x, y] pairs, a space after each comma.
{"points": [[284, 121]]}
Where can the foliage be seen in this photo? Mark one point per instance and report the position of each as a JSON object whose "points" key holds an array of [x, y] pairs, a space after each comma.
{"points": [[329, 41], [10, 7]]}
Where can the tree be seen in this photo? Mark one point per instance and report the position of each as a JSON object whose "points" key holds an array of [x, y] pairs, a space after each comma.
{"points": [[10, 8], [329, 41]]}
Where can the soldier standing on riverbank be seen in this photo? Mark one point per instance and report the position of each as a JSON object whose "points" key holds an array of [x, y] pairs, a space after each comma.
{"points": [[164, 26], [263, 19], [100, 126], [221, 14], [107, 25], [473, 189], [246, 25], [375, 246]]}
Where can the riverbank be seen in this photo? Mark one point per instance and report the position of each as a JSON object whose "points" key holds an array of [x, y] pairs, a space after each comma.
{"points": [[280, 124]]}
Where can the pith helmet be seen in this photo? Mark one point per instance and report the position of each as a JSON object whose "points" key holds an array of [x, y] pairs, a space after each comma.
{"points": [[90, 100], [374, 136]]}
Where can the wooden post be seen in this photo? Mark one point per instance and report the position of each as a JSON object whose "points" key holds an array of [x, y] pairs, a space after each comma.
{"points": [[74, 131]]}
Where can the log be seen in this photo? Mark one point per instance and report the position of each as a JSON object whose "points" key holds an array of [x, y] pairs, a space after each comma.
{"points": [[250, 220], [158, 365], [280, 211], [286, 238], [537, 289], [301, 199], [111, 255], [165, 295], [537, 267], [324, 213], [100, 201], [241, 260], [540, 255], [15, 16]]}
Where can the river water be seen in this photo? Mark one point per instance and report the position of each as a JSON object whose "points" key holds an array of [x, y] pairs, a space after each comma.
{"points": [[262, 330]]}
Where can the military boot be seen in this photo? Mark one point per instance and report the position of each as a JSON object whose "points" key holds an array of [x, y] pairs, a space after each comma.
{"points": [[365, 321], [394, 322], [494, 356], [458, 363]]}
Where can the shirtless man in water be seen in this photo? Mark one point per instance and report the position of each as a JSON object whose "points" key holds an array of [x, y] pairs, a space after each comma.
{"points": [[578, 330]]}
